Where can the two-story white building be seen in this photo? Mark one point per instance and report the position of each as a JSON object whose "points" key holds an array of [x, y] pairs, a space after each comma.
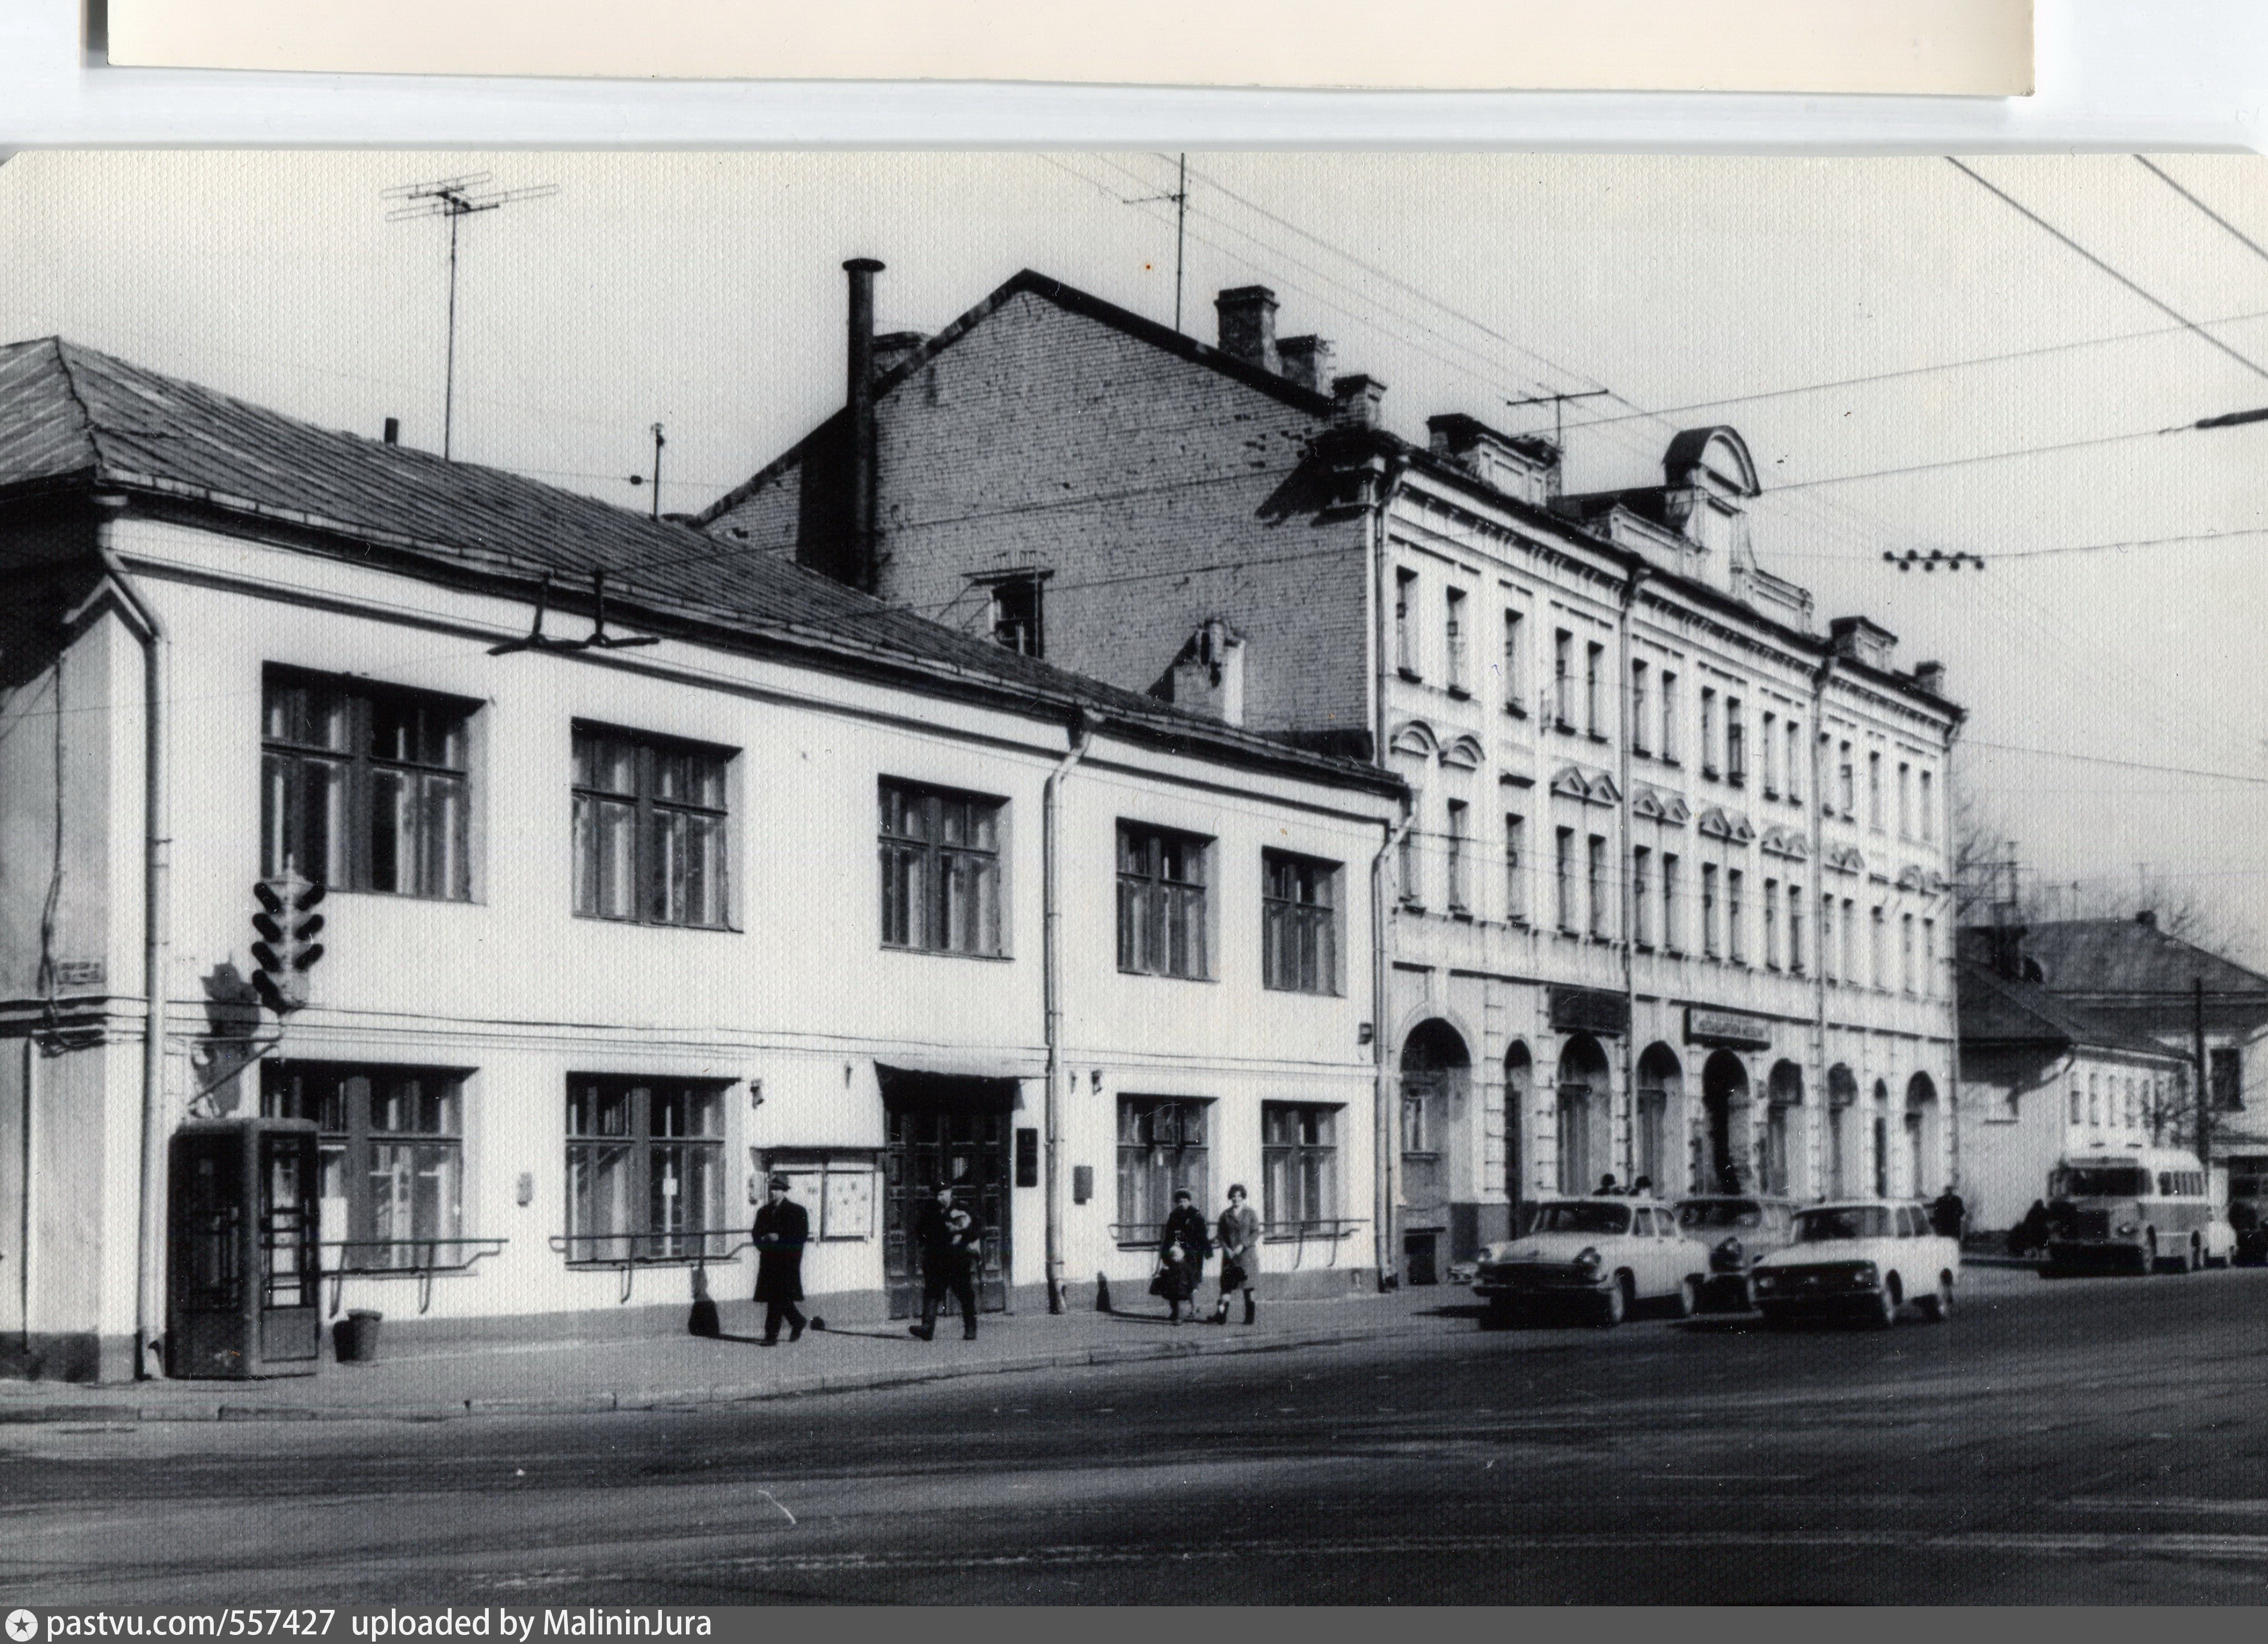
{"points": [[650, 871]]}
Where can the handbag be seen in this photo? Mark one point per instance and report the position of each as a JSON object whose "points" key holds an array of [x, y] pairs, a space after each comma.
{"points": [[1161, 1282]]}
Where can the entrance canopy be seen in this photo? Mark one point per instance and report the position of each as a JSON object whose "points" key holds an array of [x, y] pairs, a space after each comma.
{"points": [[945, 1092]]}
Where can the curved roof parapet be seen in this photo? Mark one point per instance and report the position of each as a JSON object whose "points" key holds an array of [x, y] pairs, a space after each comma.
{"points": [[1718, 449]]}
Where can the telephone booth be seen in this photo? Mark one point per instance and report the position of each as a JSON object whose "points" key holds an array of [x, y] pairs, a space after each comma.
{"points": [[242, 1275]]}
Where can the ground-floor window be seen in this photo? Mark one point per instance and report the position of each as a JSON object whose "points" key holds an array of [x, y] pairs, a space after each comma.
{"points": [[391, 1151], [1161, 1147], [1300, 1167], [645, 1169]]}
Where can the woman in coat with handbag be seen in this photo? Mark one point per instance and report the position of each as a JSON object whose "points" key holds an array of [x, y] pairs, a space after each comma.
{"points": [[1183, 1247]]}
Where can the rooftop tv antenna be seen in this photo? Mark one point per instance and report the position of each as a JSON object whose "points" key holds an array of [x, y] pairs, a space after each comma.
{"points": [[456, 198], [1181, 199], [1558, 404]]}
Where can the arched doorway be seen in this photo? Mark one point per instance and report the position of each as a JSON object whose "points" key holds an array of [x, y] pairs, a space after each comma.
{"points": [[1924, 1179], [1436, 1073], [1518, 1092], [1660, 1083], [1783, 1109], [1881, 1139], [1842, 1098], [1581, 1114], [1725, 1100]]}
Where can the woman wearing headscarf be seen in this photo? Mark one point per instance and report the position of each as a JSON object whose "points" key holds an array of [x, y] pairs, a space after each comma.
{"points": [[1183, 1247]]}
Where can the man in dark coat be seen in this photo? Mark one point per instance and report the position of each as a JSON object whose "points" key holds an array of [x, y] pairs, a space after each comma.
{"points": [[1946, 1214], [950, 1238], [783, 1229]]}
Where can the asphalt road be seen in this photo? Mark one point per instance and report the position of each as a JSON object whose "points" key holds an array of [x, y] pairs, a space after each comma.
{"points": [[2092, 1440]]}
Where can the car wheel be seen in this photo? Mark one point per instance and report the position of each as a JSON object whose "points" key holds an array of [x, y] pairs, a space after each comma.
{"points": [[1938, 1306], [1886, 1304], [1613, 1305], [1687, 1300], [1496, 1315]]}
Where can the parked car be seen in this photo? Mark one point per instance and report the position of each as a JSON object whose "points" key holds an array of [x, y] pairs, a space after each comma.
{"points": [[1865, 1257], [1605, 1256], [1737, 1228]]}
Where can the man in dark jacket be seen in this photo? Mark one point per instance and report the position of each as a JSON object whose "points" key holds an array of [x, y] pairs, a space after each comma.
{"points": [[1946, 1214], [949, 1238], [783, 1229]]}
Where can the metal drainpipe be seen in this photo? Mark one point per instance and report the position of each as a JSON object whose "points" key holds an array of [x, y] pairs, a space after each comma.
{"points": [[1819, 679], [1051, 980], [1382, 1095], [157, 945], [1379, 485], [1622, 890]]}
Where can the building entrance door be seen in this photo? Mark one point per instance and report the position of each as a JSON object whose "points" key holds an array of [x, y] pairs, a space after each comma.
{"points": [[1725, 1098], [946, 1128]]}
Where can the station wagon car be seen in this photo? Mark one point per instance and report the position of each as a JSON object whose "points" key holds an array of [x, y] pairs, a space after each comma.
{"points": [[1737, 1228], [1601, 1255], [1862, 1259]]}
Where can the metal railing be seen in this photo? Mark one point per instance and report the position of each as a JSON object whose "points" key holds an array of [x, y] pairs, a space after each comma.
{"points": [[628, 1253], [427, 1258], [1329, 1231]]}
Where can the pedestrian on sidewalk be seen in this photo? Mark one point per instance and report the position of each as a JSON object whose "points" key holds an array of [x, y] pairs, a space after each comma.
{"points": [[1947, 1214], [783, 1228], [1183, 1247], [950, 1239], [1239, 1234]]}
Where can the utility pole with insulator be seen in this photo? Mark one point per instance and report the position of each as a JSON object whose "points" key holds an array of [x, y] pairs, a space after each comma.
{"points": [[2204, 1085]]}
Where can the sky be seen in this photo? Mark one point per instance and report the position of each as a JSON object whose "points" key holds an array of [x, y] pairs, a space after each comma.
{"points": [[2118, 708]]}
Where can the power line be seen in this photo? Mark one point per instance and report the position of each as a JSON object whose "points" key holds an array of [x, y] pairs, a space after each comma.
{"points": [[1989, 456], [2246, 240], [2129, 765], [2165, 308]]}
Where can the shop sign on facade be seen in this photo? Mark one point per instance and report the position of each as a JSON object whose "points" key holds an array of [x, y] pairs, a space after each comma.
{"points": [[1735, 1029], [1589, 1010]]}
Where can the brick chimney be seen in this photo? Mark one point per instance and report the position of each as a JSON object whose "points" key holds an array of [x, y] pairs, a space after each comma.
{"points": [[1248, 326], [1930, 676], [858, 563], [1306, 361], [1355, 401]]}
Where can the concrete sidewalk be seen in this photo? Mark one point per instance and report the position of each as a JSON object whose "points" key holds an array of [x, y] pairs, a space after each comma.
{"points": [[435, 1378]]}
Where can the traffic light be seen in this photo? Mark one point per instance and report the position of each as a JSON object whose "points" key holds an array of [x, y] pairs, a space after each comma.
{"points": [[287, 950]]}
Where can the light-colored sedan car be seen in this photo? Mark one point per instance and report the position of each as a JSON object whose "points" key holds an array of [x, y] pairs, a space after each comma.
{"points": [[1864, 1258], [1604, 1255]]}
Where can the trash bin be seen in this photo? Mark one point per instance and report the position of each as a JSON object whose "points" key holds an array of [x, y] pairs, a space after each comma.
{"points": [[356, 1336]]}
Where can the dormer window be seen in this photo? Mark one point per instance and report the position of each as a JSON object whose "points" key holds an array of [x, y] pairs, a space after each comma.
{"points": [[1018, 610]]}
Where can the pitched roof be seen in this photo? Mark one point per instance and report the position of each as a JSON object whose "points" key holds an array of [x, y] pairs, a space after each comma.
{"points": [[73, 418], [1996, 1009], [2104, 956]]}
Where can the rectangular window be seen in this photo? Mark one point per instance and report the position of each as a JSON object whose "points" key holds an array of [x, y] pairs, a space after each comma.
{"points": [[1877, 954], [1515, 675], [1161, 1147], [1797, 781], [2225, 1069], [1669, 745], [1595, 659], [1906, 953], [1638, 736], [1453, 640], [1672, 937], [1563, 679], [1905, 800], [940, 859], [1709, 909], [1299, 914], [1460, 828], [1736, 742], [645, 1169], [1768, 752], [1018, 612], [1928, 810], [649, 829], [1299, 1168], [1736, 923], [1827, 949], [392, 1151], [1642, 896], [1515, 868], [1406, 858], [1602, 912], [1849, 806], [1850, 943], [1795, 928], [1875, 790], [1161, 902], [364, 788], [1562, 881], [1929, 958], [1708, 731], [1405, 640], [1771, 924]]}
